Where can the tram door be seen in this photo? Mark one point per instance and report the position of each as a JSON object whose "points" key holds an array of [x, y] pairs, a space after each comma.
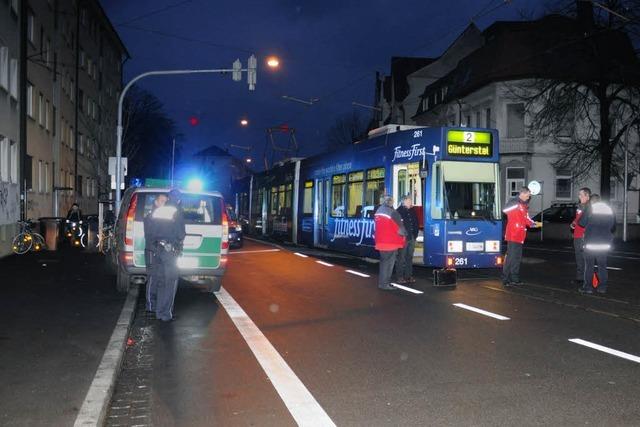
{"points": [[406, 180], [321, 212]]}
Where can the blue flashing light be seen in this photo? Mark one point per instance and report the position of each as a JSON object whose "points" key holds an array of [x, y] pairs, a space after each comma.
{"points": [[195, 184]]}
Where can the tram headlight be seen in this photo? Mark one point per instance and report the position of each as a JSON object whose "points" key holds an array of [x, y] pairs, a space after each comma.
{"points": [[492, 245], [454, 246]]}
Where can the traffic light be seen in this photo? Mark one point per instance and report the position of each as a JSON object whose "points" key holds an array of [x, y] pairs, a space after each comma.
{"points": [[237, 71], [252, 66], [194, 121]]}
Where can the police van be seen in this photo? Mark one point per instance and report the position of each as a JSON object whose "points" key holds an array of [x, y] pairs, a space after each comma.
{"points": [[206, 245]]}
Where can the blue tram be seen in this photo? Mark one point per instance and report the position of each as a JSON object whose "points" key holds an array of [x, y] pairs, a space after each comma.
{"points": [[328, 200]]}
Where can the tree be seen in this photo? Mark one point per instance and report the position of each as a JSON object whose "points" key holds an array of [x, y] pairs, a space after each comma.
{"points": [[590, 108], [346, 130], [148, 135]]}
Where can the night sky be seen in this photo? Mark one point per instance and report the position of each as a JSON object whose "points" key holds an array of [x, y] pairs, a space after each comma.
{"points": [[329, 50]]}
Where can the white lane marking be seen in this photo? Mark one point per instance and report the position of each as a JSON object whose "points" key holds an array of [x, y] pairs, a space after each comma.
{"points": [[406, 288], [599, 347], [357, 273], [301, 255], [324, 263], [253, 252], [614, 268], [480, 311], [94, 408], [609, 255], [301, 404]]}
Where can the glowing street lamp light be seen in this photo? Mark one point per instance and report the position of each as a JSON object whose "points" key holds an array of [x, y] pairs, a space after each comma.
{"points": [[273, 62], [244, 122], [248, 160]]}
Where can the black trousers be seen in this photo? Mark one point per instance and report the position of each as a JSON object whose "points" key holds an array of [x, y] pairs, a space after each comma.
{"points": [[387, 261], [578, 247], [591, 259], [511, 268]]}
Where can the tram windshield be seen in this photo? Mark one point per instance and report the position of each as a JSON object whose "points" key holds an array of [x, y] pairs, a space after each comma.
{"points": [[470, 191]]}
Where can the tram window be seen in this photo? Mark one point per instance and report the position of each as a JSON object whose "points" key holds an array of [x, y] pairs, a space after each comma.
{"points": [[355, 190], [374, 189], [337, 195], [470, 200], [256, 203], [285, 209], [273, 208], [307, 198], [436, 189]]}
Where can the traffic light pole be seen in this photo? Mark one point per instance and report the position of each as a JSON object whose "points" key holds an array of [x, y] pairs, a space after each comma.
{"points": [[236, 70]]}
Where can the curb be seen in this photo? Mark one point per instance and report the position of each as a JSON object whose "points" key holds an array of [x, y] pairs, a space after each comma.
{"points": [[94, 407]]}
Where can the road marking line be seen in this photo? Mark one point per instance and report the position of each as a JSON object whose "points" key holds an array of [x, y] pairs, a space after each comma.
{"points": [[301, 404], [301, 255], [599, 347], [94, 408], [253, 252], [324, 263], [406, 288], [357, 273], [480, 311], [614, 268]]}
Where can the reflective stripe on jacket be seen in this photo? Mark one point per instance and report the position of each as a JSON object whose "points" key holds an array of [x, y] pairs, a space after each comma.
{"points": [[599, 223], [518, 220]]}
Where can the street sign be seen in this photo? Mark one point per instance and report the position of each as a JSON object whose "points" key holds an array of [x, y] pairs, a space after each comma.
{"points": [[535, 188], [112, 166]]}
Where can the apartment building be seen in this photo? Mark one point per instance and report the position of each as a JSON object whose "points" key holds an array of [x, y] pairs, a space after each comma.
{"points": [[9, 122], [74, 77]]}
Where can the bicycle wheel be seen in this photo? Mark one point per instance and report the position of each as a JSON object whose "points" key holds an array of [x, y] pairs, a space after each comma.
{"points": [[38, 242], [22, 243]]}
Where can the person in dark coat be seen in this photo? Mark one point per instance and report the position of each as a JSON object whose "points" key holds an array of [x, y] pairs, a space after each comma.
{"points": [[389, 237], [166, 235], [149, 229], [404, 265], [578, 234], [74, 214], [599, 225]]}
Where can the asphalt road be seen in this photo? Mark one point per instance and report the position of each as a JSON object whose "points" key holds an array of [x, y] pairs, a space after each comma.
{"points": [[310, 342]]}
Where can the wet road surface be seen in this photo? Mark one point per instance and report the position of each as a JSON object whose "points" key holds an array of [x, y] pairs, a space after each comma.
{"points": [[287, 323]]}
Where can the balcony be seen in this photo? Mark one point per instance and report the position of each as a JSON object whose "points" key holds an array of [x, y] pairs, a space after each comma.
{"points": [[516, 146]]}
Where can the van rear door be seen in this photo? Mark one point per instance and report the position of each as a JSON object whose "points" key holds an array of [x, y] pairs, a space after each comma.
{"points": [[202, 247]]}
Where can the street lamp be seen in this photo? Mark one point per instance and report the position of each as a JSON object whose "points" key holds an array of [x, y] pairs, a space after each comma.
{"points": [[273, 62], [236, 72], [248, 160], [244, 122]]}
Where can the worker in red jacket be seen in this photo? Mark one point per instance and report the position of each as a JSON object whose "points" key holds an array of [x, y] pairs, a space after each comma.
{"points": [[517, 211], [584, 195], [390, 236]]}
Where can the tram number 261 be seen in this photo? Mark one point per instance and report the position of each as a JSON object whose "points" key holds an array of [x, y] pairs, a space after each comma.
{"points": [[460, 261]]}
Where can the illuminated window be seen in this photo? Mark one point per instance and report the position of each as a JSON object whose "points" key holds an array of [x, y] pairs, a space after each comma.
{"points": [[374, 189], [307, 200], [337, 195]]}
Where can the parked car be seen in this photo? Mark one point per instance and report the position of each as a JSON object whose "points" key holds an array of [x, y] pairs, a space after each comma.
{"points": [[558, 213], [236, 234], [205, 248]]}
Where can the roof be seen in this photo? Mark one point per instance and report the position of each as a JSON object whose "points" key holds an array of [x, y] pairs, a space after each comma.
{"points": [[111, 28], [553, 47], [401, 67], [212, 151]]}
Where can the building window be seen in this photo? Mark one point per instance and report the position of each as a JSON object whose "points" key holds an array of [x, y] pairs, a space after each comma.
{"points": [[46, 53], [4, 159], [565, 128], [41, 109], [14, 162], [47, 118], [515, 180], [613, 188], [79, 187], [564, 182], [30, 100], [515, 120], [81, 143], [13, 78], [40, 177], [487, 118], [31, 24], [71, 137], [14, 7], [468, 120], [4, 67], [54, 114], [478, 121], [46, 177]]}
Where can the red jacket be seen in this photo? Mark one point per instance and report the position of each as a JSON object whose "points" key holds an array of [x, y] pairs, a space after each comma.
{"points": [[518, 220], [578, 231], [390, 232]]}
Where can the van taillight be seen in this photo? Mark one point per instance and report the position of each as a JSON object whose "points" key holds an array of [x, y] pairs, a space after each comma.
{"points": [[131, 213], [225, 228]]}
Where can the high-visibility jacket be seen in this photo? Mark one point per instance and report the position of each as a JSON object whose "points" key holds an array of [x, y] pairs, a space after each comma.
{"points": [[578, 230], [390, 232], [599, 223], [518, 220]]}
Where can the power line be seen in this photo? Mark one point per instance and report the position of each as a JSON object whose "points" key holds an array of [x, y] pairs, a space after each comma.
{"points": [[154, 12]]}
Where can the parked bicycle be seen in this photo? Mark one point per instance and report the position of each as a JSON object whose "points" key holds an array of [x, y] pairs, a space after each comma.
{"points": [[105, 239], [27, 239]]}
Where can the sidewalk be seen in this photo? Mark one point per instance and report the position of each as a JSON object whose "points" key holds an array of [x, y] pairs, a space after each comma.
{"points": [[57, 313]]}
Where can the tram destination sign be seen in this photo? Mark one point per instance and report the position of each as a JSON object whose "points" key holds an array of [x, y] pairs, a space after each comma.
{"points": [[463, 143]]}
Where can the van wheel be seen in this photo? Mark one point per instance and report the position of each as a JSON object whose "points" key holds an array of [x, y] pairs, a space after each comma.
{"points": [[122, 282], [215, 283]]}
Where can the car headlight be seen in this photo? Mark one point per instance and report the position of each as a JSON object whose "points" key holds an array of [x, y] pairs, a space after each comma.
{"points": [[238, 228]]}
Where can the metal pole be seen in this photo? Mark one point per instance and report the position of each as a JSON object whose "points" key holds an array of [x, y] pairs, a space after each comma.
{"points": [[173, 159], [625, 197], [120, 104], [250, 199]]}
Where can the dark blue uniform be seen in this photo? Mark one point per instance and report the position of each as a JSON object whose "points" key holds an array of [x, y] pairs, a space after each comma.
{"points": [[164, 234]]}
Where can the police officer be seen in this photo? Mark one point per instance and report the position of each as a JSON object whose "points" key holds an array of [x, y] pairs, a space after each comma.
{"points": [[152, 288], [517, 211], [599, 225], [166, 235]]}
